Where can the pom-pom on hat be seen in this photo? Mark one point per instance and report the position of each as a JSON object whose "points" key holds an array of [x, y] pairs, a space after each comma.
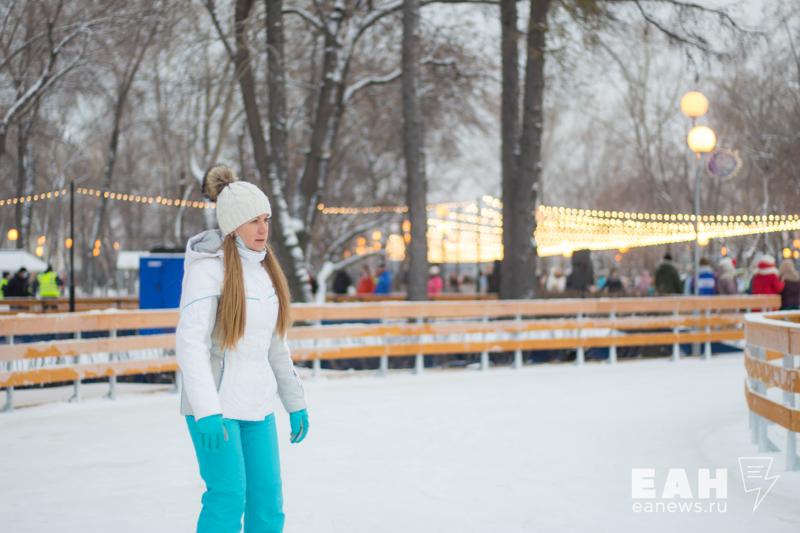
{"points": [[237, 201]]}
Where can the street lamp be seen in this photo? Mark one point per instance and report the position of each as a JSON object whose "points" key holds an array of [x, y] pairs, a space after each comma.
{"points": [[694, 104], [701, 140]]}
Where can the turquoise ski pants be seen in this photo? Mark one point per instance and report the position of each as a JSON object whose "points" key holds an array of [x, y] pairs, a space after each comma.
{"points": [[242, 477]]}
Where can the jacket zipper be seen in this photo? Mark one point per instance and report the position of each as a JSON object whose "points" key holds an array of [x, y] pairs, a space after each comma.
{"points": [[222, 374]]}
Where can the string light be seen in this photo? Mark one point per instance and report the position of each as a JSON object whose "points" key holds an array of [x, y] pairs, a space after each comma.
{"points": [[479, 225], [144, 199], [466, 230], [109, 195], [29, 198]]}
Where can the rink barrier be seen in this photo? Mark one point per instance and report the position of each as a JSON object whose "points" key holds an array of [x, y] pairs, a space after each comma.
{"points": [[771, 356], [393, 329], [13, 305]]}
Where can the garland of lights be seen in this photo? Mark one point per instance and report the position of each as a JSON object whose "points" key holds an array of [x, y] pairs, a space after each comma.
{"points": [[110, 195], [559, 230]]}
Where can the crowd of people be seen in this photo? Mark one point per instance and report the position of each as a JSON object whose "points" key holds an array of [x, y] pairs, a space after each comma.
{"points": [[381, 280], [46, 284], [669, 278]]}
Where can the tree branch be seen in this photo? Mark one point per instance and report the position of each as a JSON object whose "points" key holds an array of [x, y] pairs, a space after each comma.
{"points": [[212, 11], [305, 15]]}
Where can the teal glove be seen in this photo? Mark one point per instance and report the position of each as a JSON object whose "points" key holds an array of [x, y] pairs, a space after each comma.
{"points": [[299, 422], [212, 432]]}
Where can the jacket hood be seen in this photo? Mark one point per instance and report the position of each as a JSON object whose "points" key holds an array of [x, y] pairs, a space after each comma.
{"points": [[203, 245], [766, 267]]}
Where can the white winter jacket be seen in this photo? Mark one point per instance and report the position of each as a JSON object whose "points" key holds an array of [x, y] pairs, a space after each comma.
{"points": [[238, 383]]}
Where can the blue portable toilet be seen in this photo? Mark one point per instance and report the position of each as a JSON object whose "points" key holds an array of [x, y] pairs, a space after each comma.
{"points": [[160, 277]]}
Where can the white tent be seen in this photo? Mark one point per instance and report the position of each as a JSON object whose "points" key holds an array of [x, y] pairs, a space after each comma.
{"points": [[129, 259], [13, 260]]}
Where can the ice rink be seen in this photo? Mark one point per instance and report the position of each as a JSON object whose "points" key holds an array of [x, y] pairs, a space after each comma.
{"points": [[546, 448]]}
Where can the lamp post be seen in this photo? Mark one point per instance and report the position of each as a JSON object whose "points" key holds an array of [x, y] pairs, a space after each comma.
{"points": [[72, 246], [701, 140], [71, 241]]}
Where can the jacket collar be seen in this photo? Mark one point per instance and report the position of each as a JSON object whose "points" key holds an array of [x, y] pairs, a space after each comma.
{"points": [[248, 255]]}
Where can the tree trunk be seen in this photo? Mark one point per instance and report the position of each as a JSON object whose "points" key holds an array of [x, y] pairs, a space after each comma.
{"points": [[509, 120], [413, 131], [522, 254], [25, 179], [99, 228], [285, 241], [276, 83], [322, 133]]}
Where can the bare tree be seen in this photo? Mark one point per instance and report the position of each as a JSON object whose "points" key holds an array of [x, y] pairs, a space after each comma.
{"points": [[413, 143], [142, 37]]}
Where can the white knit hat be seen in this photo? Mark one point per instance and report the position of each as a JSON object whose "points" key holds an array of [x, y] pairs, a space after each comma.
{"points": [[237, 201]]}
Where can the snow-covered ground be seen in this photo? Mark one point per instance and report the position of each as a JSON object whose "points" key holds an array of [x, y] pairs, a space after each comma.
{"points": [[546, 448]]}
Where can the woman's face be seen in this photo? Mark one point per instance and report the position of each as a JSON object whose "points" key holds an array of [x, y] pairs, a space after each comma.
{"points": [[255, 232]]}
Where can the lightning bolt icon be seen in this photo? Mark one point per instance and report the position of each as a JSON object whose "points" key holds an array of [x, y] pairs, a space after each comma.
{"points": [[756, 478]]}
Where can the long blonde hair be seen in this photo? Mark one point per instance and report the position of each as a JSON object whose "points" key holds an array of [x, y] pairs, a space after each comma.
{"points": [[231, 311]]}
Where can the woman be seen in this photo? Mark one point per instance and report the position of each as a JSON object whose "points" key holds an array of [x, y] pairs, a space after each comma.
{"points": [[366, 283], [766, 279], [435, 281], [232, 352], [727, 277], [790, 295]]}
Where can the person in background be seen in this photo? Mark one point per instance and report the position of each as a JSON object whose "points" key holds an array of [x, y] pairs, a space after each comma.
{"points": [[18, 285], [706, 279], [384, 284], [482, 284], [341, 282], [790, 295], [556, 281], [454, 282], [581, 277], [494, 277], [614, 285], [766, 279], [47, 284], [727, 284], [4, 284], [644, 283], [435, 281], [366, 284], [313, 281], [668, 281], [600, 284]]}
